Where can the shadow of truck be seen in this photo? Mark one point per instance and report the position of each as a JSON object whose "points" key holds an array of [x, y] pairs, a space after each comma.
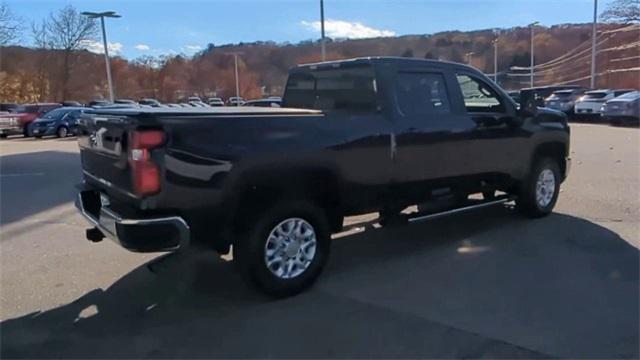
{"points": [[488, 284]]}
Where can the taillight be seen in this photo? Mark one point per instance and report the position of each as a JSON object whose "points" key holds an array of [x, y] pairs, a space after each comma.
{"points": [[145, 173]]}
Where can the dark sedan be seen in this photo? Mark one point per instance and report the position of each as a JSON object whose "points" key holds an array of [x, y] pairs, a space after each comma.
{"points": [[59, 122]]}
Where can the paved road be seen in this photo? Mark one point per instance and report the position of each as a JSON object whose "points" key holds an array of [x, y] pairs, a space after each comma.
{"points": [[489, 284]]}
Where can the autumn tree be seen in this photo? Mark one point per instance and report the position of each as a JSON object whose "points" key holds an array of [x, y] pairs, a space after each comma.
{"points": [[67, 30], [622, 11]]}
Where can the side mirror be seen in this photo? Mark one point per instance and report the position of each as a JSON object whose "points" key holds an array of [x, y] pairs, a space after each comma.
{"points": [[528, 105]]}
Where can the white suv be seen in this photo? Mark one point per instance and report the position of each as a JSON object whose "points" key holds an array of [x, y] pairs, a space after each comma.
{"points": [[592, 101]]}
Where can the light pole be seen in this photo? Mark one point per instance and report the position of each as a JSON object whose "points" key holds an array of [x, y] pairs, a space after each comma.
{"points": [[495, 59], [532, 26], [322, 45], [468, 55], [102, 15], [593, 44], [235, 60]]}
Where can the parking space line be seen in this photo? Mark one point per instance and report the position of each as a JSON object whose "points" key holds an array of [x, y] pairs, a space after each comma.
{"points": [[23, 174]]}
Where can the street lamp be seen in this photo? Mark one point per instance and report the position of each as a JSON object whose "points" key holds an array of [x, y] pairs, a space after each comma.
{"points": [[495, 57], [235, 59], [593, 44], [322, 30], [532, 26], [468, 55], [102, 15]]}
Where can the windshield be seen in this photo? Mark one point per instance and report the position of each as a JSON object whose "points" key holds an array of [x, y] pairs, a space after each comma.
{"points": [[55, 114], [332, 89], [630, 95]]}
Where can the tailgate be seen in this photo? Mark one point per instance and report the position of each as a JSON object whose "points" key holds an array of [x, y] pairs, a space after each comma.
{"points": [[103, 143]]}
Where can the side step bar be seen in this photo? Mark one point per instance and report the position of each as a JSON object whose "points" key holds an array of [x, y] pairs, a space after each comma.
{"points": [[480, 205]]}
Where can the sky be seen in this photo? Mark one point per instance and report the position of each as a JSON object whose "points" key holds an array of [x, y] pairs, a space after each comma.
{"points": [[156, 27]]}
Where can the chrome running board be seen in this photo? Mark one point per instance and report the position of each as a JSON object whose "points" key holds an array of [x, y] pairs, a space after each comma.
{"points": [[483, 204]]}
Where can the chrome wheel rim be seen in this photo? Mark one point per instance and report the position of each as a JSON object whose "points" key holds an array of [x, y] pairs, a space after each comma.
{"points": [[545, 187], [62, 132], [290, 248]]}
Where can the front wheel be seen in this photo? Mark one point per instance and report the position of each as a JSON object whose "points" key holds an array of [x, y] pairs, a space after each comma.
{"points": [[539, 193], [285, 250]]}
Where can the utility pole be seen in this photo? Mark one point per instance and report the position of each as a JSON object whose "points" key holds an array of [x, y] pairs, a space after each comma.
{"points": [[593, 44], [532, 26], [235, 60], [322, 41], [495, 60], [102, 15]]}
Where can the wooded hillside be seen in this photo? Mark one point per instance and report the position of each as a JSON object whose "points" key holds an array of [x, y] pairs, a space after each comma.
{"points": [[33, 75]]}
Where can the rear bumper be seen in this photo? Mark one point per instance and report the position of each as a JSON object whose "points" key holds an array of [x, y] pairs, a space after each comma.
{"points": [[135, 234]]}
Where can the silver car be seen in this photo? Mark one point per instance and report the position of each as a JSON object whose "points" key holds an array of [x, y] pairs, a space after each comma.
{"points": [[564, 100], [623, 109]]}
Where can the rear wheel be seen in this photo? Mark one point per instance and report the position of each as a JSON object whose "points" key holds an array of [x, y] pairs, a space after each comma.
{"points": [[3, 136], [539, 194], [62, 132], [285, 249]]}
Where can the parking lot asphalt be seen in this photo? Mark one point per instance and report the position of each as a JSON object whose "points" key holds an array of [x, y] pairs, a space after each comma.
{"points": [[484, 284]]}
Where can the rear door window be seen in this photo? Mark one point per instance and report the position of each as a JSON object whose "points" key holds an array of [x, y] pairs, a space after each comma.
{"points": [[422, 93]]}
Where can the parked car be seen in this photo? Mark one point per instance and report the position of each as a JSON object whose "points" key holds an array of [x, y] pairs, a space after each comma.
{"points": [[623, 109], [353, 137], [20, 118], [60, 122], [173, 105], [591, 102], [543, 92], [125, 102], [71, 103], [198, 104], [216, 101], [150, 102], [99, 103], [6, 107], [515, 95], [264, 102], [194, 98], [235, 101], [564, 100]]}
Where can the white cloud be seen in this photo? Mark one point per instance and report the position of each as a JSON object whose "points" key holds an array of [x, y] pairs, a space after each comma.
{"points": [[142, 47], [192, 48], [345, 29], [98, 48]]}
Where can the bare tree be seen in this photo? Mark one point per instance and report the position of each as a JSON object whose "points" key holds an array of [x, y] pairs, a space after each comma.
{"points": [[10, 28], [42, 44], [622, 11], [67, 30]]}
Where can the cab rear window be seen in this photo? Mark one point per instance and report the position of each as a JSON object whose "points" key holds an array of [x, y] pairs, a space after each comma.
{"points": [[351, 89]]}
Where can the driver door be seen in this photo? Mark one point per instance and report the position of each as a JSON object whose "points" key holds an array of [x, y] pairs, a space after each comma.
{"points": [[495, 145]]}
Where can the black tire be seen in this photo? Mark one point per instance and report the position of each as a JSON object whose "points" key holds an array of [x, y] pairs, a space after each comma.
{"points": [[38, 136], [250, 249], [527, 201], [3, 136], [25, 132], [62, 132]]}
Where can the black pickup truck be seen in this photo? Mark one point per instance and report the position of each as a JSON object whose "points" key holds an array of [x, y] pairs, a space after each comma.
{"points": [[352, 137]]}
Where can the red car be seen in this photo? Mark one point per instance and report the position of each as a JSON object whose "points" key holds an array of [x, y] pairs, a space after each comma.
{"points": [[17, 121]]}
